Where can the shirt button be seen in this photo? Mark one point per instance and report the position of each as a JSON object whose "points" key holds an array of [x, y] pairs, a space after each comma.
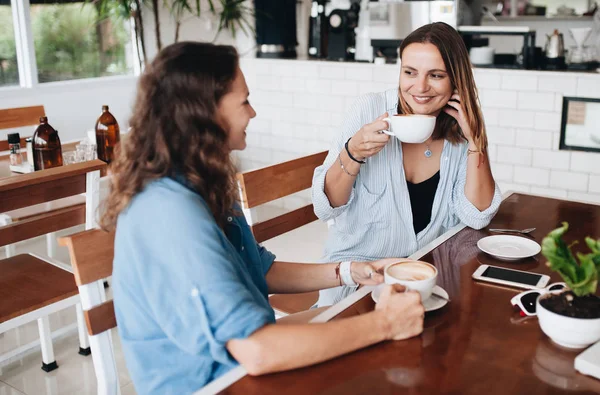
{"points": [[242, 248], [229, 219]]}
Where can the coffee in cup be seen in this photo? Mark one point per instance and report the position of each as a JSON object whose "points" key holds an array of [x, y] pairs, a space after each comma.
{"points": [[411, 128], [414, 275]]}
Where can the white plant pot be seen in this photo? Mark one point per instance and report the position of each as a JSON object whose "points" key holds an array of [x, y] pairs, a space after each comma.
{"points": [[567, 331]]}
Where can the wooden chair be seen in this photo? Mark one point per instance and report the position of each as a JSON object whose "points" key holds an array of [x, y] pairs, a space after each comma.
{"points": [[33, 286], [92, 254], [264, 185], [30, 116]]}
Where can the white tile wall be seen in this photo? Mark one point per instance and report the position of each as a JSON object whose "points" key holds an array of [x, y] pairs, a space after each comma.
{"points": [[300, 105]]}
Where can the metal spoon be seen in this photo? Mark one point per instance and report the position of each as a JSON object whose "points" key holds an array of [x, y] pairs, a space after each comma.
{"points": [[523, 232]]}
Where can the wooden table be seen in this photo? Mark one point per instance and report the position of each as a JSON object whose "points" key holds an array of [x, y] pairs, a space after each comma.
{"points": [[477, 344]]}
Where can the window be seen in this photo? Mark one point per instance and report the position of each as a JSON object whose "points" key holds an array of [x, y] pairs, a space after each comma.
{"points": [[74, 40], [9, 71]]}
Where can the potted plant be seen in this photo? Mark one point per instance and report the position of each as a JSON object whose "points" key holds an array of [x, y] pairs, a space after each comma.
{"points": [[571, 318]]}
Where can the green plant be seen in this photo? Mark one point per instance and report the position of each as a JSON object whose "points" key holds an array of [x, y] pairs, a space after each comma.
{"points": [[582, 277]]}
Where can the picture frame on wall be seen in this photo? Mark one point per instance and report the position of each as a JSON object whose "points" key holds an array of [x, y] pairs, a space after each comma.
{"points": [[580, 124]]}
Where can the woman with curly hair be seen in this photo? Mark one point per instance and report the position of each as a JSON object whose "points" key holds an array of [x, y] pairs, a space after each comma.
{"points": [[190, 282]]}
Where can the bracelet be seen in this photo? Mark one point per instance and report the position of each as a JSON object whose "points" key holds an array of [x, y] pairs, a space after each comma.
{"points": [[344, 169], [362, 162], [346, 275], [469, 151]]}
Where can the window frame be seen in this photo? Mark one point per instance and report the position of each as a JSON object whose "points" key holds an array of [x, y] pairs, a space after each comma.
{"points": [[25, 48]]}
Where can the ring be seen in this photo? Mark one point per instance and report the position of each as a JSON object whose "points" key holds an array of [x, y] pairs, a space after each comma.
{"points": [[370, 274]]}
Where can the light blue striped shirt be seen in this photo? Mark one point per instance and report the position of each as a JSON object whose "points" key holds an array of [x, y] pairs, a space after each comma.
{"points": [[377, 220]]}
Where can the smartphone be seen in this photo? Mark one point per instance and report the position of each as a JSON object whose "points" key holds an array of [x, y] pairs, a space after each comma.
{"points": [[510, 277]]}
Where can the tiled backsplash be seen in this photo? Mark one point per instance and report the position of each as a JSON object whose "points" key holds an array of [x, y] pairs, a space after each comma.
{"points": [[300, 105]]}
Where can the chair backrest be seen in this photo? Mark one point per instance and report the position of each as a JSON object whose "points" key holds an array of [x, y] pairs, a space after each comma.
{"points": [[18, 117], [273, 182], [18, 191], [91, 255]]}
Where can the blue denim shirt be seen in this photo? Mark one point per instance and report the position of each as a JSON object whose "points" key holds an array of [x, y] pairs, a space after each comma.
{"points": [[183, 288]]}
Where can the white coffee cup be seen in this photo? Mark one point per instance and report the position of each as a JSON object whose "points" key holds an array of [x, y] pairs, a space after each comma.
{"points": [[414, 275], [411, 128]]}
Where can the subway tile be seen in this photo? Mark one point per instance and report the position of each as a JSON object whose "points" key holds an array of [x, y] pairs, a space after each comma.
{"points": [[585, 162], [514, 155], [331, 103], [503, 172], [547, 121], [536, 101], [336, 118], [585, 197], [317, 117], [344, 88], [564, 85], [531, 176], [594, 186], [369, 87], [549, 192], [502, 136], [305, 69], [509, 186], [260, 125], [268, 82], [332, 72], [388, 75], [569, 181], [487, 80], [492, 152], [491, 116], [359, 73], [559, 160], [497, 98], [588, 87], [520, 82], [516, 118], [293, 84], [304, 100], [533, 139], [558, 102], [283, 69], [318, 86]]}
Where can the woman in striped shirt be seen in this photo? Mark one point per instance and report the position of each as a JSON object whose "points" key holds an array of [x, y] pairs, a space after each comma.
{"points": [[388, 199]]}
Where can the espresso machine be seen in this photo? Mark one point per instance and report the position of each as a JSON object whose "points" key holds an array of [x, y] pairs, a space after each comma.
{"points": [[341, 44]]}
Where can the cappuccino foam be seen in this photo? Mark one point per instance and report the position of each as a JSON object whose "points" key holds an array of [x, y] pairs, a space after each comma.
{"points": [[411, 271]]}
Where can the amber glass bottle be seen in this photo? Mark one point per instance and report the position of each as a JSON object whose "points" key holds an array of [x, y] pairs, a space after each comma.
{"points": [[107, 135], [47, 151]]}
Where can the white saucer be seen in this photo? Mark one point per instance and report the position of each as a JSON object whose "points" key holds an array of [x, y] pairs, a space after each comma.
{"points": [[509, 248], [430, 304]]}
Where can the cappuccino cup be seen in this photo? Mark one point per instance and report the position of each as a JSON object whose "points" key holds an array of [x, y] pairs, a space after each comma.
{"points": [[414, 275], [410, 128]]}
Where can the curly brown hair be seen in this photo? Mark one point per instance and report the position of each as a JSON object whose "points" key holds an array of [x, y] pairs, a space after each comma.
{"points": [[174, 132], [458, 66]]}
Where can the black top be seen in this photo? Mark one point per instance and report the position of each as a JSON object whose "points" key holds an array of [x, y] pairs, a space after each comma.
{"points": [[421, 201]]}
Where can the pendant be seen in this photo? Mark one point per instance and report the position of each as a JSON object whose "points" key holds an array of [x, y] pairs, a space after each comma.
{"points": [[427, 153]]}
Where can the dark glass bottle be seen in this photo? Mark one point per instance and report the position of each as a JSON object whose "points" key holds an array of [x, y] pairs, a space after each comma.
{"points": [[47, 151], [107, 135]]}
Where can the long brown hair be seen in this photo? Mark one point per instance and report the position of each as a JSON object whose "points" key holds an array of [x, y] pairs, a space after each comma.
{"points": [[456, 59], [174, 132]]}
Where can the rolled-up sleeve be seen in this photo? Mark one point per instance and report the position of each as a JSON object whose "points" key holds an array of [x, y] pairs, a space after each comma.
{"points": [[353, 121], [203, 294], [464, 209]]}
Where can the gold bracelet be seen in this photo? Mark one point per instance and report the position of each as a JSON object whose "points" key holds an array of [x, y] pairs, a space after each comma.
{"points": [[469, 151], [343, 168]]}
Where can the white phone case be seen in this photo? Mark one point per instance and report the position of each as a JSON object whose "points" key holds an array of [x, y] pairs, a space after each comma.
{"points": [[542, 282]]}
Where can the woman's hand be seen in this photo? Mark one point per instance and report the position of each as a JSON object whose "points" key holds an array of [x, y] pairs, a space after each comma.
{"points": [[456, 111], [369, 140], [370, 273], [401, 311]]}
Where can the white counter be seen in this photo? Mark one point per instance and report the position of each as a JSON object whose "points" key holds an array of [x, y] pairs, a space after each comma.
{"points": [[300, 105]]}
